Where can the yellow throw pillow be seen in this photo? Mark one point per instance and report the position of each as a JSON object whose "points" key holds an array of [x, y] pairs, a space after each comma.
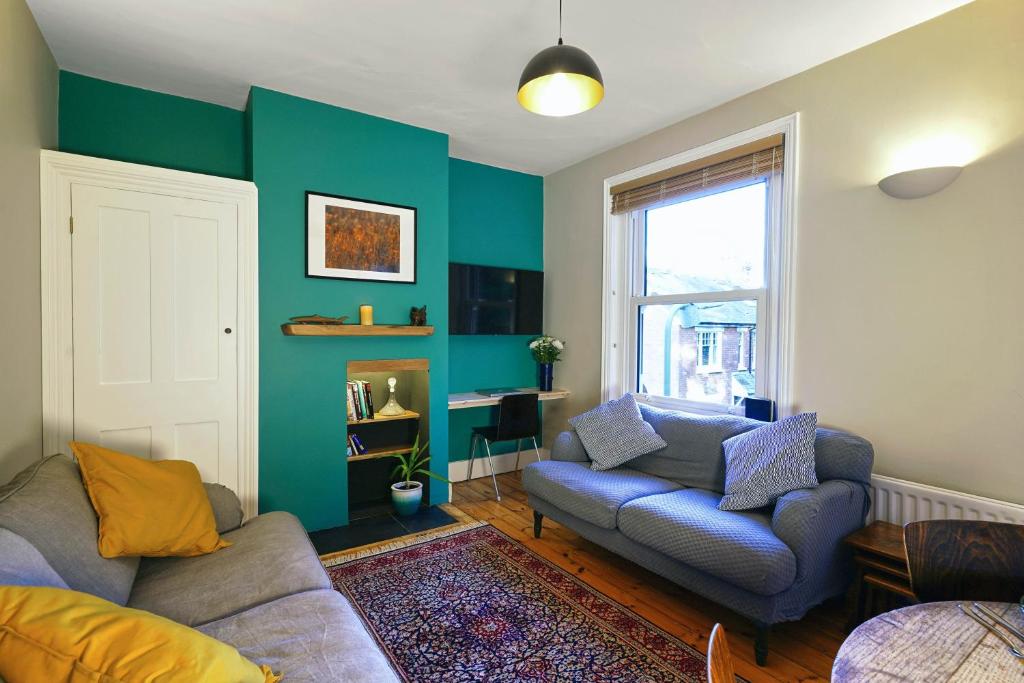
{"points": [[150, 508], [63, 636]]}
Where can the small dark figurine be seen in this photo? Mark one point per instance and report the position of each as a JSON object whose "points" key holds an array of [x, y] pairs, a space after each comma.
{"points": [[418, 316]]}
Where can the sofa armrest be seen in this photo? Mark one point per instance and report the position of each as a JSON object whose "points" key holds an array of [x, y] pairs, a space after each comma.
{"points": [[814, 522], [568, 447], [227, 509]]}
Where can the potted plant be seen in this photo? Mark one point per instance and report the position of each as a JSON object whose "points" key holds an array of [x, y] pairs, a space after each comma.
{"points": [[546, 351], [406, 494]]}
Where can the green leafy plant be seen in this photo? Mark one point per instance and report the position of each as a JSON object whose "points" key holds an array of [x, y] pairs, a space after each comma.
{"points": [[416, 461]]}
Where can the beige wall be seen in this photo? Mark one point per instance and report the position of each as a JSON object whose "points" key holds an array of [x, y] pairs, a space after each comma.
{"points": [[28, 122], [909, 314]]}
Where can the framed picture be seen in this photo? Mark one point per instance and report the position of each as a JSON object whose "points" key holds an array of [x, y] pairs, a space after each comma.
{"points": [[356, 239]]}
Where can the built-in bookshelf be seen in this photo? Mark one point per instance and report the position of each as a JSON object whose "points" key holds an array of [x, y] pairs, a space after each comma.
{"points": [[382, 436]]}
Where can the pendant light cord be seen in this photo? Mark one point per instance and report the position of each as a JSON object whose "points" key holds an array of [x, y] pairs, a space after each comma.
{"points": [[559, 22]]}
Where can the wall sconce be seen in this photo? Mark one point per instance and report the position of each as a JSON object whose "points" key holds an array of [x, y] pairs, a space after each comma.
{"points": [[920, 182]]}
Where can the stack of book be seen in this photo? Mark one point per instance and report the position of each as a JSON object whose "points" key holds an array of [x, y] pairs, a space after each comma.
{"points": [[360, 400], [355, 445]]}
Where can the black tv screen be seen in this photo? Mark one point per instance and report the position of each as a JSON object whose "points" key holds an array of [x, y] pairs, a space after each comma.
{"points": [[488, 300]]}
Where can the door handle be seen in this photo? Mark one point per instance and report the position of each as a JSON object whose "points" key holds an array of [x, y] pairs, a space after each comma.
{"points": [[227, 330]]}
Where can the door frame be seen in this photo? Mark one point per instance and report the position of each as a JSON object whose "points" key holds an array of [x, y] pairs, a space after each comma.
{"points": [[57, 172]]}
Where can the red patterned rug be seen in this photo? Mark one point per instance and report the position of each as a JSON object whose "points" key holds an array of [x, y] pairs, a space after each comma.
{"points": [[479, 606]]}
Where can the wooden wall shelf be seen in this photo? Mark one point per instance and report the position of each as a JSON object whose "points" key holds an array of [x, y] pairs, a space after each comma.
{"points": [[293, 330], [407, 415], [374, 453]]}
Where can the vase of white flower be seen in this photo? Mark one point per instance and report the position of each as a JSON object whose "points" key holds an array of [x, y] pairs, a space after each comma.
{"points": [[546, 351]]}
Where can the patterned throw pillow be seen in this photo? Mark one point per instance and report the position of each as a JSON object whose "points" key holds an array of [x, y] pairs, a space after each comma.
{"points": [[768, 462], [614, 433]]}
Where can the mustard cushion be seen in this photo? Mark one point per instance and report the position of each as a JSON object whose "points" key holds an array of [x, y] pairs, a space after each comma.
{"points": [[59, 635], [150, 508]]}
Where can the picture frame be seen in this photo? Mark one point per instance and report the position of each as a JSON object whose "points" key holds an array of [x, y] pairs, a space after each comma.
{"points": [[348, 238]]}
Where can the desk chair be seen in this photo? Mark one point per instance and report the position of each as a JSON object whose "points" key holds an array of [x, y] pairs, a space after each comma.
{"points": [[517, 420], [965, 560], [719, 660]]}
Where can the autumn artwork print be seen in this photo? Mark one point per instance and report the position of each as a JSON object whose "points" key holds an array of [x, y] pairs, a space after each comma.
{"points": [[361, 240], [354, 239]]}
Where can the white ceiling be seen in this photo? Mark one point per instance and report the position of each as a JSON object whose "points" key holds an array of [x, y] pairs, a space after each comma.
{"points": [[454, 65]]}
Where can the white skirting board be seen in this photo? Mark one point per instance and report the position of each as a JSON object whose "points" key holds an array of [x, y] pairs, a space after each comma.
{"points": [[900, 502], [459, 469]]}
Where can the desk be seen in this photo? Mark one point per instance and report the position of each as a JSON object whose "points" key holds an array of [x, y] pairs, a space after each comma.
{"points": [[472, 399]]}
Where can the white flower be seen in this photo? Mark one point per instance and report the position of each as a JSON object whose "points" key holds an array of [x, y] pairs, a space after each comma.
{"points": [[558, 344], [534, 343]]}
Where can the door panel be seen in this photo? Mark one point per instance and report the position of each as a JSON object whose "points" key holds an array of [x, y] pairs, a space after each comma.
{"points": [[154, 291]]}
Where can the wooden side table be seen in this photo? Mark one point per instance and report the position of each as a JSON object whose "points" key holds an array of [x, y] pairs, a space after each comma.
{"points": [[881, 559]]}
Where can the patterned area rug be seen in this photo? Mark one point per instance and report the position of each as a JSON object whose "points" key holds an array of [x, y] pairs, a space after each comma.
{"points": [[479, 606]]}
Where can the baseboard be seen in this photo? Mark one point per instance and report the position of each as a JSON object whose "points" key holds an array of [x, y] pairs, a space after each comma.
{"points": [[506, 462], [900, 502]]}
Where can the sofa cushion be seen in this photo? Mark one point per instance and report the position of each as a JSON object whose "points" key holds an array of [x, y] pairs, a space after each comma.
{"points": [[310, 637], [592, 496], [227, 509], [270, 557], [46, 505], [22, 565], [614, 433], [693, 456], [738, 547]]}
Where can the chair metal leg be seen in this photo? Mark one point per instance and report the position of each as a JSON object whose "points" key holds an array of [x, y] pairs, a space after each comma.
{"points": [[519, 443], [494, 478], [535, 449], [472, 453]]}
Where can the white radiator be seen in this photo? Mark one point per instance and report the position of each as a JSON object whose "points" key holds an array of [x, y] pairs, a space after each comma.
{"points": [[899, 502]]}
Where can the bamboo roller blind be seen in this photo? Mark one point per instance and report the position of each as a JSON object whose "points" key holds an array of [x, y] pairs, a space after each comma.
{"points": [[755, 159]]}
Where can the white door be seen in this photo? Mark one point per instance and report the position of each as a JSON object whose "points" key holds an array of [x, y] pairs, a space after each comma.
{"points": [[154, 311]]}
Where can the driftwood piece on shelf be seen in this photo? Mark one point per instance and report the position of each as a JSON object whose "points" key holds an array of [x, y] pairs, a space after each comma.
{"points": [[318, 319]]}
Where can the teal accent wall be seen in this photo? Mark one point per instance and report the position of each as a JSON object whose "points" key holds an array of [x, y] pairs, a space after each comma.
{"points": [[300, 145], [467, 212], [103, 119], [497, 219]]}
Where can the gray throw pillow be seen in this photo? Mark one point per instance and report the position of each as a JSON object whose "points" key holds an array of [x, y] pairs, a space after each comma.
{"points": [[768, 462], [614, 433]]}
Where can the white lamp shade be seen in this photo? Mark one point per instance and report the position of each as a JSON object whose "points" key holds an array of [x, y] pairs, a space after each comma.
{"points": [[919, 183]]}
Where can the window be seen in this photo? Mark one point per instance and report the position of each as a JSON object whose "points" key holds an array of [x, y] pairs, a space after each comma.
{"points": [[696, 297], [709, 350]]}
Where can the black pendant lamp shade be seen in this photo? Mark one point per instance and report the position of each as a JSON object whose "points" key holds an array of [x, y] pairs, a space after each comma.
{"points": [[561, 80]]}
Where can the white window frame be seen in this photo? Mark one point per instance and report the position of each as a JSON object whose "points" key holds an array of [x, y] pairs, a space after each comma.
{"points": [[718, 333], [623, 266]]}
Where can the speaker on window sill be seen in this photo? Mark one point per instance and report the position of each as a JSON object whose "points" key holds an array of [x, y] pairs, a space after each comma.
{"points": [[762, 409]]}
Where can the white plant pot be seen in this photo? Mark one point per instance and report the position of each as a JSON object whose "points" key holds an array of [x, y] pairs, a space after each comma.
{"points": [[406, 500]]}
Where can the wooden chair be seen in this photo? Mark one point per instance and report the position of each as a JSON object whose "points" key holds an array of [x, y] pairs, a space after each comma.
{"points": [[719, 659], [964, 560]]}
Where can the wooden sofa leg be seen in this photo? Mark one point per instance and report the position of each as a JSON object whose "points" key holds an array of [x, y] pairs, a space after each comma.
{"points": [[537, 520], [761, 643]]}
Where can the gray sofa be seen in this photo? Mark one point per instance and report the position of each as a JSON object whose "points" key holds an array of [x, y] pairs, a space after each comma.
{"points": [[267, 595], [661, 511]]}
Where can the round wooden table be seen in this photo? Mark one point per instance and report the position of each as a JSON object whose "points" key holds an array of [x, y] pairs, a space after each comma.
{"points": [[929, 642]]}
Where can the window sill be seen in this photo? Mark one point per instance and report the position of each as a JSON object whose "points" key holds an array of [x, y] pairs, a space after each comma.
{"points": [[691, 407]]}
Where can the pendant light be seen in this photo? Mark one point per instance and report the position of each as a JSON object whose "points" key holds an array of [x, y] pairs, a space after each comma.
{"points": [[561, 80]]}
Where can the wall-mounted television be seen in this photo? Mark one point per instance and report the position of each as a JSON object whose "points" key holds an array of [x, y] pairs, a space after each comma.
{"points": [[489, 300]]}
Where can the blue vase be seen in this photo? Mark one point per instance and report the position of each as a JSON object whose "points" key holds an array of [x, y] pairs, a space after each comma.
{"points": [[545, 375], [406, 500]]}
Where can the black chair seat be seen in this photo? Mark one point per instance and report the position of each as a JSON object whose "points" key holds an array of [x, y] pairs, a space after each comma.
{"points": [[518, 419]]}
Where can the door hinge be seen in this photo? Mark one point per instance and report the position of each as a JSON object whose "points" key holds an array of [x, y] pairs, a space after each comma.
{"points": [[71, 220]]}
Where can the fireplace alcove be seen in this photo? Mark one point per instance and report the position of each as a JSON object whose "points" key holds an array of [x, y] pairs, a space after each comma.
{"points": [[369, 473]]}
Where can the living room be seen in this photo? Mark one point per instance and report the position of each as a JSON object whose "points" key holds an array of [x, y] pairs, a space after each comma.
{"points": [[531, 341]]}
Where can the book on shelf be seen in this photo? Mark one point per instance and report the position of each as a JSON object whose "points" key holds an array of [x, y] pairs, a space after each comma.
{"points": [[357, 443], [359, 400]]}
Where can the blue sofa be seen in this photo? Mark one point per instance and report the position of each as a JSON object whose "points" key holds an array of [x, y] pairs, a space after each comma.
{"points": [[661, 511]]}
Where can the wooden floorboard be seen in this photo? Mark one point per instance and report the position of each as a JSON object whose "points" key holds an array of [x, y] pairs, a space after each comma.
{"points": [[799, 651]]}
